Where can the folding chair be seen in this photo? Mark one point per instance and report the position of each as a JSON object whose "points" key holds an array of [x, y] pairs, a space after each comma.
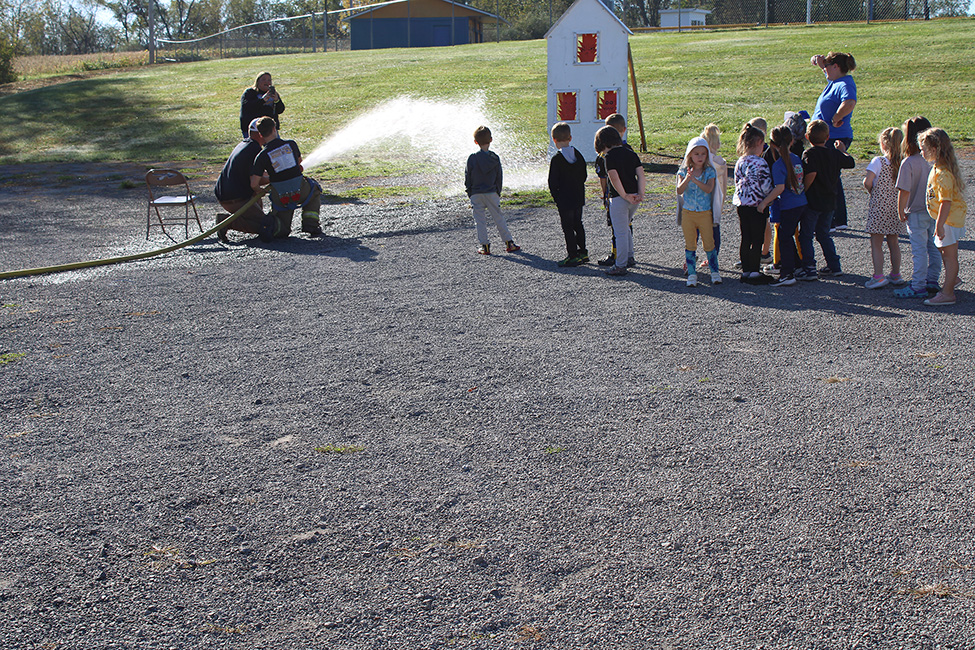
{"points": [[169, 178]]}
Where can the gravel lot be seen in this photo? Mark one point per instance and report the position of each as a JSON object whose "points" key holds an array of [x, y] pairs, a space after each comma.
{"points": [[384, 440]]}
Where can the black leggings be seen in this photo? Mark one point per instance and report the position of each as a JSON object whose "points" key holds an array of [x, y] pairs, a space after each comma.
{"points": [[752, 224]]}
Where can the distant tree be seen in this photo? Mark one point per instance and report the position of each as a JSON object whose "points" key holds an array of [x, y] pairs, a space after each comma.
{"points": [[7, 73], [76, 29]]}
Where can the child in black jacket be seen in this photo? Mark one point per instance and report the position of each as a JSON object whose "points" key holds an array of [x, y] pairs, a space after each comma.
{"points": [[567, 183]]}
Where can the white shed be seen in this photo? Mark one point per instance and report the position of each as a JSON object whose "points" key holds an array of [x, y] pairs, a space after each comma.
{"points": [[684, 17], [587, 68]]}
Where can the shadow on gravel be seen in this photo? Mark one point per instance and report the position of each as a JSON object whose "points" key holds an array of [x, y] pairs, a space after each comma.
{"points": [[818, 296], [351, 248]]}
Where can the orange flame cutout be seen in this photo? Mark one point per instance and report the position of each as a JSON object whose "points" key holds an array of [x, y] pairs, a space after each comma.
{"points": [[567, 107], [586, 48]]}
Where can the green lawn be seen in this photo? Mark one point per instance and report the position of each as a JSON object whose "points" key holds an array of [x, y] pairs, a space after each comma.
{"points": [[189, 111]]}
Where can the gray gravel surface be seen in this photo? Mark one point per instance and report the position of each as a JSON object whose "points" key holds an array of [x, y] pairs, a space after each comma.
{"points": [[532, 456]]}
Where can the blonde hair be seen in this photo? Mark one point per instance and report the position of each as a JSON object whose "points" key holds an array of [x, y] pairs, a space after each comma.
{"points": [[712, 134], [891, 141], [939, 143], [759, 123]]}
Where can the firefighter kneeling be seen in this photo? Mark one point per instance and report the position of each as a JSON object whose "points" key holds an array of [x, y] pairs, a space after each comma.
{"points": [[290, 189]]}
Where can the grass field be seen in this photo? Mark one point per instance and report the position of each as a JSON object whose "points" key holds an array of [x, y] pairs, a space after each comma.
{"points": [[189, 111]]}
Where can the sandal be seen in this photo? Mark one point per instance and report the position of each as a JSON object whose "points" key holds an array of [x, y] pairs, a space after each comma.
{"points": [[939, 300]]}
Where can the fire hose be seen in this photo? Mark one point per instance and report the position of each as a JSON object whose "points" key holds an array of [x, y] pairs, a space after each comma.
{"points": [[137, 256]]}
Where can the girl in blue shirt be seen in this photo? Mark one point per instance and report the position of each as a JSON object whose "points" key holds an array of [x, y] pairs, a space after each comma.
{"points": [[789, 192]]}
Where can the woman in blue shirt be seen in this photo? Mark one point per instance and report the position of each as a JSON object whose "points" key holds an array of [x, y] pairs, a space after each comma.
{"points": [[835, 107]]}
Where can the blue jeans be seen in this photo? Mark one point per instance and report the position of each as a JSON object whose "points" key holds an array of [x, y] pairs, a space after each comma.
{"points": [[807, 229], [927, 257], [823, 223]]}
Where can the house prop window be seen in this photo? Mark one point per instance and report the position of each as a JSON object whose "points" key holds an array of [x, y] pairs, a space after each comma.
{"points": [[607, 103], [567, 109], [587, 48]]}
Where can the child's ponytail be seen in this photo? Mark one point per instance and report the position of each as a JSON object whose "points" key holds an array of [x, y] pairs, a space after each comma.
{"points": [[781, 141], [749, 134], [891, 142]]}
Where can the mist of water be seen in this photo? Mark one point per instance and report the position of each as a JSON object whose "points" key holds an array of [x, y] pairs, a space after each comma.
{"points": [[433, 137]]}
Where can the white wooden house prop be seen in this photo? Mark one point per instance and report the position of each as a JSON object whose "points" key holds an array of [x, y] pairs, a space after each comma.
{"points": [[587, 68], [684, 17]]}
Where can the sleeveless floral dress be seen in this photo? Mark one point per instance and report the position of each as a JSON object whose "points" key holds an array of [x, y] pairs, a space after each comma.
{"points": [[882, 213]]}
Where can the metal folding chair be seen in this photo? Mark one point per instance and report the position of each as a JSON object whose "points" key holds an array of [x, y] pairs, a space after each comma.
{"points": [[156, 180]]}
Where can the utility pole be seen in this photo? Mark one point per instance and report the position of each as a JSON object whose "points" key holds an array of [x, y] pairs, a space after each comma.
{"points": [[152, 31]]}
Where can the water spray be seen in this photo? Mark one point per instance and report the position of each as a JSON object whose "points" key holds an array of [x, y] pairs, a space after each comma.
{"points": [[436, 137]]}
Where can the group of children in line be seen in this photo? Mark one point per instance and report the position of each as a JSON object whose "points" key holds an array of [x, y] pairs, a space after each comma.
{"points": [[784, 194]]}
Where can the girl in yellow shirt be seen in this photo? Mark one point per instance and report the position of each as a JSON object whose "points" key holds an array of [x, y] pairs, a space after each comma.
{"points": [[946, 205]]}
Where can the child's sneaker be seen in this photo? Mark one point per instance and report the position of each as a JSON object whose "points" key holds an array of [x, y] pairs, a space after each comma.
{"points": [[806, 275], [785, 281], [484, 249], [827, 272], [630, 263], [876, 283], [910, 292], [568, 261], [772, 268], [609, 261], [766, 259], [932, 287], [716, 278], [692, 280], [896, 280], [511, 247], [582, 257], [616, 270], [703, 266]]}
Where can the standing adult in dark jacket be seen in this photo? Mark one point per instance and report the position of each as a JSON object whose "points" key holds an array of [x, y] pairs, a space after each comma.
{"points": [[260, 100]]}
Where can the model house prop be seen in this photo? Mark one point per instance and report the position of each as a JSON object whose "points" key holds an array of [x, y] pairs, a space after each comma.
{"points": [[419, 23], [587, 66]]}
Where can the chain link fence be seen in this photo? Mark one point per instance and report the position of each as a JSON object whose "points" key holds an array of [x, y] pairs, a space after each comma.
{"points": [[307, 33], [328, 31]]}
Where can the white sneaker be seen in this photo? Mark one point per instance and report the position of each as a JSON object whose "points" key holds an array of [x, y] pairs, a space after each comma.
{"points": [[692, 280], [876, 283], [715, 277]]}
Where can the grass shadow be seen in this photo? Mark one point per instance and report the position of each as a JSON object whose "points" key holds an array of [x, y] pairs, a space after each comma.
{"points": [[97, 119]]}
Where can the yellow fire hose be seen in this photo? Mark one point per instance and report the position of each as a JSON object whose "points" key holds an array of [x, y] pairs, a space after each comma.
{"points": [[138, 256]]}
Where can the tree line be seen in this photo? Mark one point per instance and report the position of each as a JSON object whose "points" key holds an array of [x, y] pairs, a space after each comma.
{"points": [[88, 26]]}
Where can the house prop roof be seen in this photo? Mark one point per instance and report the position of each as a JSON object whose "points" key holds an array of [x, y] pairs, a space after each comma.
{"points": [[555, 26], [457, 5]]}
